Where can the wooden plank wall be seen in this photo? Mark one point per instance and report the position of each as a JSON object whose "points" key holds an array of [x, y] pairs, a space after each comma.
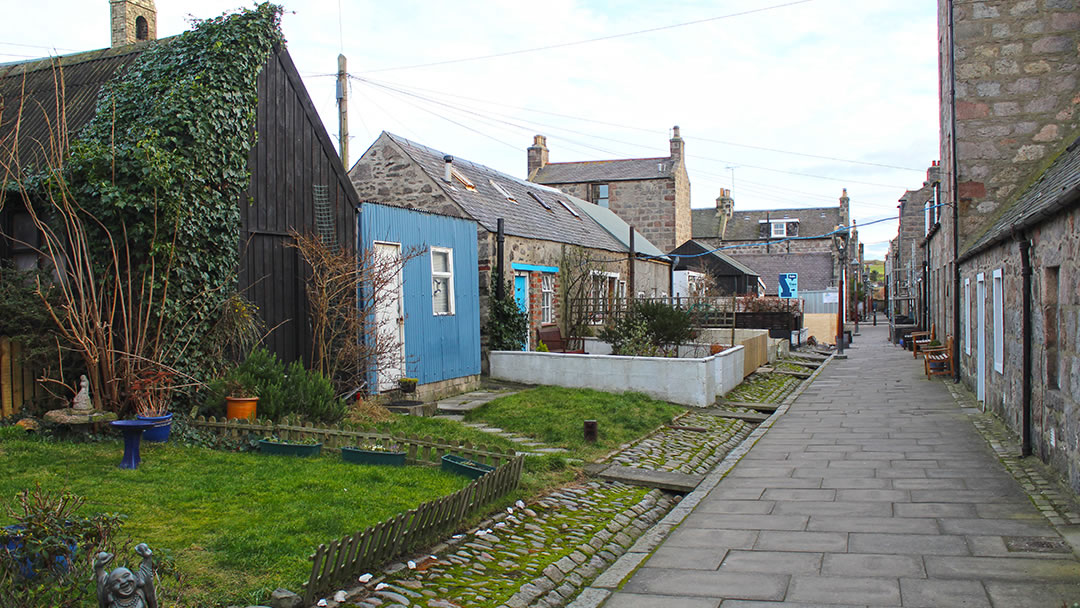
{"points": [[293, 154], [755, 353], [17, 385]]}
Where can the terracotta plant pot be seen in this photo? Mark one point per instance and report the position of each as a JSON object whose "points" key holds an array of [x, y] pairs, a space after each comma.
{"points": [[237, 408]]}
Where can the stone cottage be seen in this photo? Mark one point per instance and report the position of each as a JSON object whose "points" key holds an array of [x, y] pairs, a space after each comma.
{"points": [[539, 222], [650, 194], [1008, 245]]}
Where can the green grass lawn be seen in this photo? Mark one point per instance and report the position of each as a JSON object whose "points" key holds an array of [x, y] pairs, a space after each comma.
{"points": [[438, 429], [237, 525], [555, 416]]}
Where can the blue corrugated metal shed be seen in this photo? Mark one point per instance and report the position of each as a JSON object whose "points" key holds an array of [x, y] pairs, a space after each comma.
{"points": [[437, 347]]}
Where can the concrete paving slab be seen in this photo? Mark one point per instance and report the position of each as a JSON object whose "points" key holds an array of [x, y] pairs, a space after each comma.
{"points": [[921, 593], [637, 600], [687, 558], [825, 542], [864, 564], [696, 583], [897, 525], [845, 590], [771, 562]]}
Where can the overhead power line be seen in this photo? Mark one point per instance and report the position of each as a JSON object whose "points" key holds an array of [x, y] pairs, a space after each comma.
{"points": [[629, 127], [444, 104], [587, 41]]}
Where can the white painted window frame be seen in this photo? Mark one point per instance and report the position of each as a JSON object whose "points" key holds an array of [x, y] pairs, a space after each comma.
{"points": [[449, 275], [967, 316], [778, 229], [999, 321], [547, 297]]}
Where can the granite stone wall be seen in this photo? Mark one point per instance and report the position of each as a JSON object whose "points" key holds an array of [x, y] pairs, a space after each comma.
{"points": [[1055, 325], [1016, 98]]}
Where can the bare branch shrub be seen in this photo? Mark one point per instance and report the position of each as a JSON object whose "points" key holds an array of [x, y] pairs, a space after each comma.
{"points": [[345, 290]]}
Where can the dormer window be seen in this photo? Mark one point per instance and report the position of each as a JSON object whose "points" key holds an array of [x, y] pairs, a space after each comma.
{"points": [[502, 191], [778, 228], [599, 195]]}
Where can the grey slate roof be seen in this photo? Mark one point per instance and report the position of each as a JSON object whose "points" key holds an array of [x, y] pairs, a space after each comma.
{"points": [[1056, 189], [525, 218], [695, 248], [32, 84], [743, 225], [604, 170], [615, 226], [815, 269]]}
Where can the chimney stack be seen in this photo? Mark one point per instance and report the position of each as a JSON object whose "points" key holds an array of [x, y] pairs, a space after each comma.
{"points": [[449, 160], [725, 209], [676, 146], [845, 209], [132, 21], [538, 155]]}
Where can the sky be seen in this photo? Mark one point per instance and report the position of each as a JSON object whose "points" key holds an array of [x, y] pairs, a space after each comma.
{"points": [[774, 98]]}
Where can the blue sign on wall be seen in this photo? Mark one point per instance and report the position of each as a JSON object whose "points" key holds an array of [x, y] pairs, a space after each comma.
{"points": [[789, 285]]}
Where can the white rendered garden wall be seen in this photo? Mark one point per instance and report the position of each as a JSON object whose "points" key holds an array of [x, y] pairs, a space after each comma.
{"points": [[696, 382]]}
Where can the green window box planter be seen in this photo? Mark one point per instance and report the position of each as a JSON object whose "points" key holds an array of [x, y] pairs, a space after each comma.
{"points": [[362, 456], [290, 449], [464, 466]]}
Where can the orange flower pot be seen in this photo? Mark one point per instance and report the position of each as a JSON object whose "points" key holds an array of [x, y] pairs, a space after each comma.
{"points": [[240, 408]]}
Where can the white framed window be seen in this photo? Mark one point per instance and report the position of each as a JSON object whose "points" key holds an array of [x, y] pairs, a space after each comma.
{"points": [[779, 229], [547, 298], [999, 323], [966, 316], [442, 281]]}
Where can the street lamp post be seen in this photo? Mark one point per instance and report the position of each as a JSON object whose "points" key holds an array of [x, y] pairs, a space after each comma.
{"points": [[840, 240]]}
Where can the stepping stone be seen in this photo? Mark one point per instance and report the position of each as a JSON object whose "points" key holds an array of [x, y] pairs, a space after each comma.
{"points": [[744, 416], [761, 407], [665, 480], [784, 372]]}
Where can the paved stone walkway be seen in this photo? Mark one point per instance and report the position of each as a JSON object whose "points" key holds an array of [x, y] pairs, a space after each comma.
{"points": [[874, 488]]}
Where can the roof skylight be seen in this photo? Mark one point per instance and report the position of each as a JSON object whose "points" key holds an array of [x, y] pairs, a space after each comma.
{"points": [[536, 197], [458, 175], [502, 191]]}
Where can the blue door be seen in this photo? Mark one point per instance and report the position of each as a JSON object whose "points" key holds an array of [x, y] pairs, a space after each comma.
{"points": [[521, 294]]}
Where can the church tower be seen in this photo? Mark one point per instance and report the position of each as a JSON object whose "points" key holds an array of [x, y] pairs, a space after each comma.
{"points": [[132, 21]]}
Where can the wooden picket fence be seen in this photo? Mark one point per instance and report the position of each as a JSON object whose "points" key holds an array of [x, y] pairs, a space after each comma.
{"points": [[343, 559], [419, 450]]}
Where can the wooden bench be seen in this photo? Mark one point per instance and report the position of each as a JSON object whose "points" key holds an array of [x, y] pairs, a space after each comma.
{"points": [[553, 339], [921, 340], [938, 361]]}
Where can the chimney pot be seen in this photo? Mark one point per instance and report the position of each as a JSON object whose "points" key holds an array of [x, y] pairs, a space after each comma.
{"points": [[449, 160]]}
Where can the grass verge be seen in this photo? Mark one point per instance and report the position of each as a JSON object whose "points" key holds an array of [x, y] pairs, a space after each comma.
{"points": [[232, 526], [555, 416]]}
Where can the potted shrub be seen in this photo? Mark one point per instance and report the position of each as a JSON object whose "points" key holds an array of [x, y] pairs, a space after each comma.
{"points": [[152, 392], [241, 398], [408, 385], [374, 453], [290, 447]]}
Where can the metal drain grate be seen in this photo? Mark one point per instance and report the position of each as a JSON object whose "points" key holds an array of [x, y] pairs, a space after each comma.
{"points": [[1036, 544]]}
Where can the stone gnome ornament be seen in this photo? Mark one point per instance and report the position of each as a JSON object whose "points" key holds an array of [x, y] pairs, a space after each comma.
{"points": [[122, 588]]}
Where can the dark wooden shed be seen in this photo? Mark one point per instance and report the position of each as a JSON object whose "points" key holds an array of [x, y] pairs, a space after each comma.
{"points": [[297, 179], [731, 276]]}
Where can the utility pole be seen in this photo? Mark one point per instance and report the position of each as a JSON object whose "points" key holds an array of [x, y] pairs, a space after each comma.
{"points": [[343, 111]]}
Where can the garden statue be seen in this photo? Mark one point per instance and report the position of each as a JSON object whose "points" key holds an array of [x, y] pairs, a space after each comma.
{"points": [[82, 398], [123, 589]]}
